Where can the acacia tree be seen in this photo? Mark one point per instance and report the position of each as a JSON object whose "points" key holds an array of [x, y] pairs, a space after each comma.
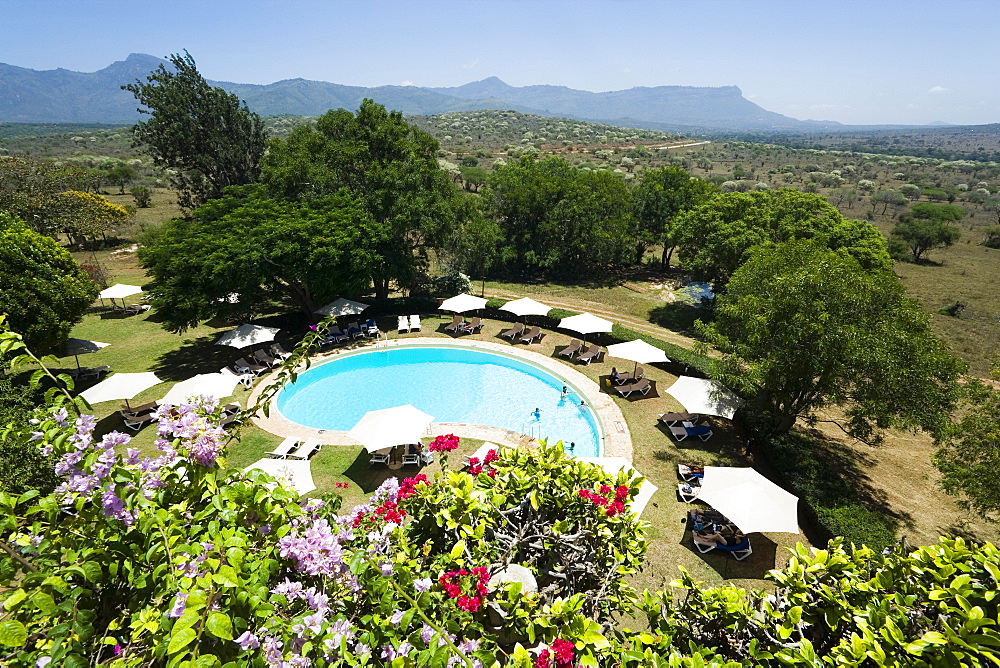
{"points": [[261, 249], [802, 327], [658, 199], [926, 226], [714, 238], [33, 192], [43, 291], [387, 166], [203, 135], [91, 215]]}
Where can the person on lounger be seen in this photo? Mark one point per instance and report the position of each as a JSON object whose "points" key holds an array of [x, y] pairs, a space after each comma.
{"points": [[614, 374]]}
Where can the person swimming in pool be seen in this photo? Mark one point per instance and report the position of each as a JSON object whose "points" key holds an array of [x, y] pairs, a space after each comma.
{"points": [[537, 414], [565, 391]]}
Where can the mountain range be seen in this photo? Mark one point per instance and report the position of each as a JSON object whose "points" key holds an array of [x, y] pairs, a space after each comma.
{"points": [[64, 96]]}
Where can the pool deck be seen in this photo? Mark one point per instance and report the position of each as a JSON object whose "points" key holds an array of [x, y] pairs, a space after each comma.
{"points": [[617, 441]]}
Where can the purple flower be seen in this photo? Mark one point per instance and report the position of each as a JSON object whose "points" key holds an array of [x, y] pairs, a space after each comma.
{"points": [[386, 568], [396, 618], [60, 417], [289, 589], [341, 629], [114, 439], [247, 641], [36, 435], [423, 584], [426, 633], [42, 662], [467, 646], [313, 328], [361, 649], [180, 603]]}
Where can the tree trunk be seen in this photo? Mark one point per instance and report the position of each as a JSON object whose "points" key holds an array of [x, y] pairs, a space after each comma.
{"points": [[381, 287], [668, 251]]}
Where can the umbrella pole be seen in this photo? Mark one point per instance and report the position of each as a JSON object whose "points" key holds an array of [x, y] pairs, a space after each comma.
{"points": [[77, 362]]}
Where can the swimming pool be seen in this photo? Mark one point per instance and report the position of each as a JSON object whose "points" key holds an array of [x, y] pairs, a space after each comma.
{"points": [[452, 384]]}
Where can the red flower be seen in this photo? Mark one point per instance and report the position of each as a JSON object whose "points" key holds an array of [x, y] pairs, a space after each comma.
{"points": [[491, 456], [543, 659], [475, 468], [445, 443], [564, 651], [408, 487]]}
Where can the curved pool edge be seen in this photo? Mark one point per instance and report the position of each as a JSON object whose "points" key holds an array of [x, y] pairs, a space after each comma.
{"points": [[616, 440]]}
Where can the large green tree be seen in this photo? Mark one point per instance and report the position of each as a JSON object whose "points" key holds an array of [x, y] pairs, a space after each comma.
{"points": [[559, 219], [203, 135], [660, 196], [803, 327], [43, 291], [926, 226], [969, 457], [387, 166], [715, 237], [33, 191], [259, 249]]}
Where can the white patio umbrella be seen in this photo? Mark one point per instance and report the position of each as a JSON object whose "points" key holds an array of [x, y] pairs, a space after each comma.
{"points": [[77, 347], [637, 351], [526, 306], [586, 323], [462, 303], [247, 335], [294, 473], [218, 385], [389, 427], [612, 465], [120, 386], [706, 397], [749, 500], [119, 291], [342, 307]]}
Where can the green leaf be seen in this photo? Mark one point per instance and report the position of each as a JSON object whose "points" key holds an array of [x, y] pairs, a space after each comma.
{"points": [[458, 550], [14, 599], [13, 633], [181, 640], [219, 626], [43, 602]]}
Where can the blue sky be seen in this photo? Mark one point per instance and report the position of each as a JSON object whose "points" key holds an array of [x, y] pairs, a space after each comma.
{"points": [[878, 61]]}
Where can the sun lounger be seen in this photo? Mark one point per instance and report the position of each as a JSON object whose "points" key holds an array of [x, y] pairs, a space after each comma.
{"points": [[414, 322], [702, 431], [631, 376], [480, 454], [334, 335], [280, 352], [286, 446], [472, 326], [535, 333], [687, 473], [572, 349], [137, 422], [136, 309], [643, 386], [411, 460], [93, 372], [242, 366], [670, 419], [310, 447], [740, 551], [402, 324], [593, 352], [456, 323], [245, 378], [230, 420], [354, 331], [380, 456], [262, 357], [139, 410], [229, 409], [687, 491], [371, 327], [513, 332]]}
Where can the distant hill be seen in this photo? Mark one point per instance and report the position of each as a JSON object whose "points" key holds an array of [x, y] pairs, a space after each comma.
{"points": [[63, 96]]}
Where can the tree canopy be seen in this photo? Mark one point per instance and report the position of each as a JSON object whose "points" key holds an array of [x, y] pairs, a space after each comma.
{"points": [[388, 166], [715, 237], [559, 219], [261, 249], [660, 196], [803, 327], [926, 226], [34, 192], [204, 136], [43, 291]]}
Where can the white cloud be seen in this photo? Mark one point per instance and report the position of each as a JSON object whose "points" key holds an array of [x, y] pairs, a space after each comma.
{"points": [[938, 89], [469, 66], [406, 83]]}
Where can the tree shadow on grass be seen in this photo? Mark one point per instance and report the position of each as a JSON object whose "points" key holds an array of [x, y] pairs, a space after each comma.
{"points": [[196, 356], [679, 317], [755, 566]]}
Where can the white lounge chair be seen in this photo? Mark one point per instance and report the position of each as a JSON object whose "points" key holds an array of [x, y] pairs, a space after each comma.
{"points": [[740, 552], [402, 324], [310, 447], [687, 491], [414, 322], [245, 378], [371, 327], [687, 474], [380, 456], [411, 460], [480, 454], [426, 457], [285, 447]]}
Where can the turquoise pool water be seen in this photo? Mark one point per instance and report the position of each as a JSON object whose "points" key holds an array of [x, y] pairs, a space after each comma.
{"points": [[452, 384]]}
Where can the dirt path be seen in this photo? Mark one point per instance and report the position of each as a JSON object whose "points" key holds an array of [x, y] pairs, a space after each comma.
{"points": [[663, 148]]}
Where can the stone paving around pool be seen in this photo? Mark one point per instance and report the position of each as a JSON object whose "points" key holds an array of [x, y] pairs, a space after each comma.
{"points": [[616, 439]]}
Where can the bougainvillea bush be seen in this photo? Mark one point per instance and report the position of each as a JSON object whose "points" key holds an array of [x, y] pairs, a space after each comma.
{"points": [[176, 560]]}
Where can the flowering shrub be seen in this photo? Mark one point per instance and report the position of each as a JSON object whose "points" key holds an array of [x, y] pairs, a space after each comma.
{"points": [[175, 560], [476, 467], [443, 445]]}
